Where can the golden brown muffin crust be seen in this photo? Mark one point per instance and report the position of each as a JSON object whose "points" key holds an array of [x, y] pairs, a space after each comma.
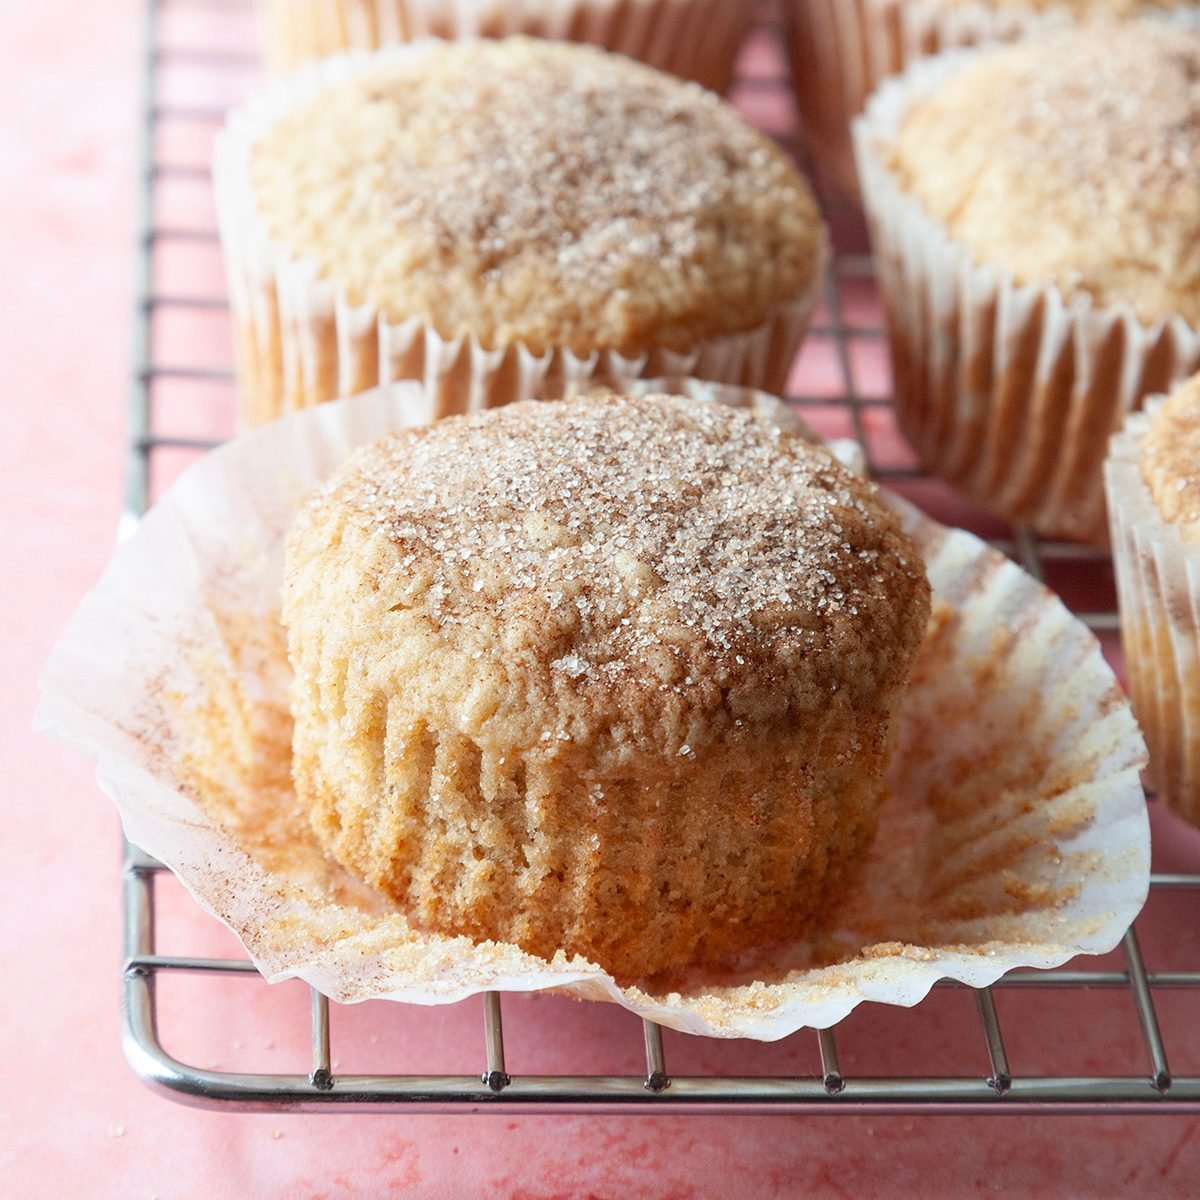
{"points": [[644, 573], [1074, 160], [540, 192], [1171, 459]]}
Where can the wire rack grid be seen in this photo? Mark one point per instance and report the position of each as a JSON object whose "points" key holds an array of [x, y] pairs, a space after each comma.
{"points": [[199, 58]]}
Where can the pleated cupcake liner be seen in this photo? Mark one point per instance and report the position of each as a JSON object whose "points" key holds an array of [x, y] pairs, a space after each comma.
{"points": [[694, 39], [1158, 585], [1015, 834], [1009, 391]]}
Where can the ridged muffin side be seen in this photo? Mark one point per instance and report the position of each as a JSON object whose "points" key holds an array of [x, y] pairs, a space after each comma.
{"points": [[605, 676]]}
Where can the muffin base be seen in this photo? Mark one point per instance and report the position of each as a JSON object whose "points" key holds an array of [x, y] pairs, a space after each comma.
{"points": [[1008, 391], [637, 876], [1158, 583], [695, 39]]}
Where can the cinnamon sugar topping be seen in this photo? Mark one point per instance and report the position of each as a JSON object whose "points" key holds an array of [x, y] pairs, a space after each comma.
{"points": [[661, 531], [522, 190]]}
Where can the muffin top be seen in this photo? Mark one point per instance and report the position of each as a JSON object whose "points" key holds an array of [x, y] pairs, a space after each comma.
{"points": [[1072, 160], [1171, 459], [660, 573], [541, 192]]}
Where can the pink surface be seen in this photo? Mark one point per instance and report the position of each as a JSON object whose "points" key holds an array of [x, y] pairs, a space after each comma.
{"points": [[74, 1122]]}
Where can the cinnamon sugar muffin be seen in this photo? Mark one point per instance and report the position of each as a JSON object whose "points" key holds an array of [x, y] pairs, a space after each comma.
{"points": [[488, 216], [1073, 162], [609, 677], [1153, 483], [697, 39], [842, 50], [1036, 212]]}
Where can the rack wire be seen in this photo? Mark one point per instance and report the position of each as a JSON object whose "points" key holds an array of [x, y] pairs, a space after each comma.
{"points": [[178, 284]]}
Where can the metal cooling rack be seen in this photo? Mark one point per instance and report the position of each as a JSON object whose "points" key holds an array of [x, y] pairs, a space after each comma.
{"points": [[179, 42]]}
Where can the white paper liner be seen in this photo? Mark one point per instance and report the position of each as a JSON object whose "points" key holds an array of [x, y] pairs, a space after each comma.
{"points": [[1008, 391], [1016, 835], [302, 343], [695, 39], [1158, 585], [842, 50]]}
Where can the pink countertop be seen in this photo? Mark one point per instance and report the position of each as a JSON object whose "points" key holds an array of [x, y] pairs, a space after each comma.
{"points": [[75, 1123]]}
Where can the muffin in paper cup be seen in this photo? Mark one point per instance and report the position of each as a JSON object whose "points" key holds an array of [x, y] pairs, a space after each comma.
{"points": [[1158, 583], [694, 39], [842, 50], [1015, 833], [1008, 390], [494, 246]]}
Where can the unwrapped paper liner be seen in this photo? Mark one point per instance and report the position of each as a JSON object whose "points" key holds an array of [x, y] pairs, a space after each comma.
{"points": [[1008, 391], [301, 342], [1016, 835], [842, 50], [1158, 583], [696, 39]]}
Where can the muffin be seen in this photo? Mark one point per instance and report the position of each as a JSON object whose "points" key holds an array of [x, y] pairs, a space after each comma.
{"points": [[1035, 211], [497, 217], [842, 50], [605, 676], [696, 39], [1153, 483]]}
